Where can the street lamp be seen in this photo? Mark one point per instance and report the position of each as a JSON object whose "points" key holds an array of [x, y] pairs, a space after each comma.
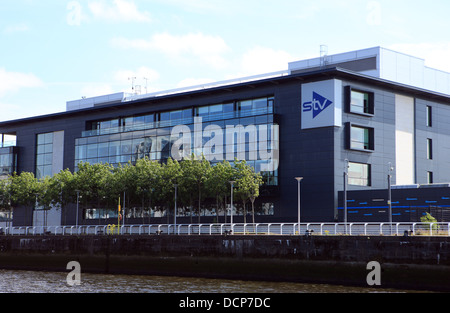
{"points": [[391, 168], [175, 213], [78, 195], [231, 220], [345, 193], [299, 179]]}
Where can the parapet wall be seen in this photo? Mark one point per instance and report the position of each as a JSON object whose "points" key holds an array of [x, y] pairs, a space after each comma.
{"points": [[414, 262]]}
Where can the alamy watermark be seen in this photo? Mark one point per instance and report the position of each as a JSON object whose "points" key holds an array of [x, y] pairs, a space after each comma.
{"points": [[251, 143], [374, 276], [74, 277]]}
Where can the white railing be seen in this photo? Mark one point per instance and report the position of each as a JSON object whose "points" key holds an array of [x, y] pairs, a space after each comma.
{"points": [[323, 229]]}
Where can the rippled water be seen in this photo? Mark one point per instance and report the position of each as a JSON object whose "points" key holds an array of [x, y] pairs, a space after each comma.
{"points": [[53, 282]]}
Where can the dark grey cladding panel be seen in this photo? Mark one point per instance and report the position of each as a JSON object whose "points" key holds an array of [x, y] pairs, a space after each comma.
{"points": [[356, 65]]}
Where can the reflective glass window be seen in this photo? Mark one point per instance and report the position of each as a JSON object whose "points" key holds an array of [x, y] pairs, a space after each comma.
{"points": [[44, 154], [358, 174]]}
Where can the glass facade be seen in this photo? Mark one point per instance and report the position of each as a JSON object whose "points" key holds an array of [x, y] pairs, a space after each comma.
{"points": [[125, 139], [44, 155], [8, 161]]}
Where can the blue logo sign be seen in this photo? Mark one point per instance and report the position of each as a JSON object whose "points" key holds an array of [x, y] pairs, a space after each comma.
{"points": [[317, 105]]}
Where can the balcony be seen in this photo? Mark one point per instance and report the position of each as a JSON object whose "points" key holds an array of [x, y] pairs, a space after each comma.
{"points": [[184, 121]]}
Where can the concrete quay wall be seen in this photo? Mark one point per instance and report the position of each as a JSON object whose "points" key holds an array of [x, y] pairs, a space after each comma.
{"points": [[414, 262]]}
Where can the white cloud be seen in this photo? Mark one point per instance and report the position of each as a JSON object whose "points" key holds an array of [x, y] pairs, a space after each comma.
{"points": [[203, 6], [14, 81], [206, 48], [260, 60], [16, 28], [9, 111], [121, 10]]}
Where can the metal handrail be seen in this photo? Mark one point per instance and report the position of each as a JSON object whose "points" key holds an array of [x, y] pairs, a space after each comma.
{"points": [[351, 229]]}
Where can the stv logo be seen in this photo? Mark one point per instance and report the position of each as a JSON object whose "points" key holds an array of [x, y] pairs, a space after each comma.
{"points": [[317, 105]]}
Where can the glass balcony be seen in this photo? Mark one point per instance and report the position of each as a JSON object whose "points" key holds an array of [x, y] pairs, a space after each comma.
{"points": [[211, 117]]}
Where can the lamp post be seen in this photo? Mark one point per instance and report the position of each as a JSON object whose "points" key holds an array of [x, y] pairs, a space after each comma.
{"points": [[390, 194], [175, 213], [345, 193], [299, 179], [35, 214], [76, 219], [231, 211]]}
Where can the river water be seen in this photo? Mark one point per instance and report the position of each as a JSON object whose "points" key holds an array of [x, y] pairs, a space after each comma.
{"points": [[56, 282]]}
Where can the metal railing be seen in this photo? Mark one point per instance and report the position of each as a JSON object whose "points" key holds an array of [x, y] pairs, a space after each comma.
{"points": [[323, 229]]}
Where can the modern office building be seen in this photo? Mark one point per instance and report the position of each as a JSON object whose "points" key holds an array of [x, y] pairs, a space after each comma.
{"points": [[366, 114]]}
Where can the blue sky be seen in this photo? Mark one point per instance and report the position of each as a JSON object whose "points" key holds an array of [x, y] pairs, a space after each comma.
{"points": [[53, 51]]}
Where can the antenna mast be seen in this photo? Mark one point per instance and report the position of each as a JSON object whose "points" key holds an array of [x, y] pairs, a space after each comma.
{"points": [[146, 83], [132, 83], [323, 55]]}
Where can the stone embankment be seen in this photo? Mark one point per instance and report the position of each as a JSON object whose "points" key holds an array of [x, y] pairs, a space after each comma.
{"points": [[412, 262]]}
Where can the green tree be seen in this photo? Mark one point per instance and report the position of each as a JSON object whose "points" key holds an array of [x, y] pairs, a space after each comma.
{"points": [[169, 176], [46, 196], [427, 220], [63, 190], [125, 186], [247, 185], [91, 181], [5, 196], [148, 173], [218, 184], [23, 189], [195, 172]]}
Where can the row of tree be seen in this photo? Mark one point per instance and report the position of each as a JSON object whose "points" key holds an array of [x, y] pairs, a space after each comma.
{"points": [[100, 185]]}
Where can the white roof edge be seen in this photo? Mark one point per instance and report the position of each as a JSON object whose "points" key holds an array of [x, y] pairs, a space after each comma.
{"points": [[132, 97]]}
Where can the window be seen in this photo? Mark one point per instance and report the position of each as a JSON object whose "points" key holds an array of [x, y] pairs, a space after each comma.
{"points": [[429, 116], [187, 113], [8, 161], [360, 102], [165, 116], [361, 138], [359, 174], [44, 155], [7, 140], [202, 111], [149, 118], [245, 105], [176, 115], [429, 149], [429, 177]]}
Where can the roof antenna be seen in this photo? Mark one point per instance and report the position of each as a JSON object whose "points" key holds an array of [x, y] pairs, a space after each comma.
{"points": [[323, 55], [146, 83], [132, 83]]}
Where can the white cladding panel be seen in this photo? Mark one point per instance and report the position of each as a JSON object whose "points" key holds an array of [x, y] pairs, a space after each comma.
{"points": [[404, 140]]}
